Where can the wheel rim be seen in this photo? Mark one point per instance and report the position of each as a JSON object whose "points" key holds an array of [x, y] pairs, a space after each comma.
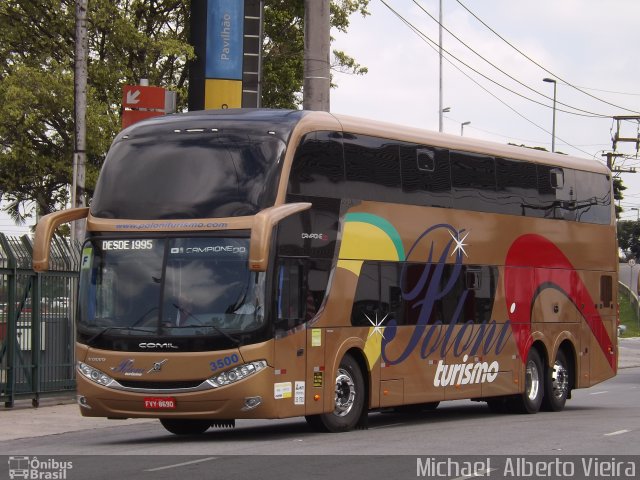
{"points": [[345, 393], [532, 380], [560, 380]]}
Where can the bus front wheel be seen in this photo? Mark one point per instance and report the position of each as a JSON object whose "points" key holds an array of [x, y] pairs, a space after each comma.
{"points": [[348, 401], [185, 426]]}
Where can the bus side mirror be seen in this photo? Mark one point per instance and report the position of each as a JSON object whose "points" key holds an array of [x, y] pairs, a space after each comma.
{"points": [[44, 233], [262, 231]]}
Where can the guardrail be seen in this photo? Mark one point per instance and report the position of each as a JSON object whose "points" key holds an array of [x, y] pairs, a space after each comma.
{"points": [[633, 299]]}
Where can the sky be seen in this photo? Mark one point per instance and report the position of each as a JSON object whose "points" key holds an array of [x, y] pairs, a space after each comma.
{"points": [[589, 44]]}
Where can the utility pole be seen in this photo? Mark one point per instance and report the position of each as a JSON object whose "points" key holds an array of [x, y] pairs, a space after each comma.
{"points": [[611, 156], [553, 129], [618, 138], [80, 99], [317, 80]]}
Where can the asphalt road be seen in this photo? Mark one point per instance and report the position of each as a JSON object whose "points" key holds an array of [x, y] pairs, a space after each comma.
{"points": [[603, 421]]}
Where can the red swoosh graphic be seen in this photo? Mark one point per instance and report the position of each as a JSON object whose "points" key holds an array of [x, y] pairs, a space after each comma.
{"points": [[553, 269]]}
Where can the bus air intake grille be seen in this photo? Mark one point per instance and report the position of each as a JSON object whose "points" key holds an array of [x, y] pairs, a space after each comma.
{"points": [[172, 385]]}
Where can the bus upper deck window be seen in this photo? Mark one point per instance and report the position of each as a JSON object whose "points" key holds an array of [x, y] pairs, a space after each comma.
{"points": [[557, 178], [426, 160]]}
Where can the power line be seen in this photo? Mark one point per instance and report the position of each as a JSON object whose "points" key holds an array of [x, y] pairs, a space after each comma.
{"points": [[505, 73], [543, 68], [512, 138], [606, 91], [425, 39]]}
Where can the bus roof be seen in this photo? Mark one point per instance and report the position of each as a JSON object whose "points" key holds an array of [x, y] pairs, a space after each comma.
{"points": [[411, 134], [284, 122]]}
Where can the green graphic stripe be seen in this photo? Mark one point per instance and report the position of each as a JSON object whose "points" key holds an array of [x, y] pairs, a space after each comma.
{"points": [[383, 225]]}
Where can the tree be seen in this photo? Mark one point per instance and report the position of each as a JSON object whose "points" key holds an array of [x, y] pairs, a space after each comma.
{"points": [[128, 40], [618, 188], [629, 237], [283, 49]]}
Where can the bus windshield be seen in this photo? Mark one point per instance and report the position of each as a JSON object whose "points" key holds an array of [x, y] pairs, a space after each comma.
{"points": [[189, 174], [171, 287]]}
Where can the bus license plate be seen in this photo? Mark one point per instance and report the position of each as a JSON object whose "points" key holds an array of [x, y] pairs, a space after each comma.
{"points": [[160, 403]]}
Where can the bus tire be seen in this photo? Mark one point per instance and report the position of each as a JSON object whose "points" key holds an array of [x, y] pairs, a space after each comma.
{"points": [[557, 384], [184, 426], [349, 400], [530, 400]]}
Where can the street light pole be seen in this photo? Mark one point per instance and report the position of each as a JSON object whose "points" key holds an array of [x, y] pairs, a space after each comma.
{"points": [[442, 112], [462, 128], [80, 117], [553, 128], [440, 109]]}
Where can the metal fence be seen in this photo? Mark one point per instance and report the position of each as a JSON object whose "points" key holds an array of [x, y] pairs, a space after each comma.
{"points": [[36, 321]]}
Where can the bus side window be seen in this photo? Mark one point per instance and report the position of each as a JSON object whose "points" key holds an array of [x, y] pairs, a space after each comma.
{"points": [[315, 286], [517, 187], [372, 167], [473, 181], [556, 187], [565, 192], [366, 303], [606, 291], [556, 177], [593, 197], [289, 301], [318, 166], [426, 175]]}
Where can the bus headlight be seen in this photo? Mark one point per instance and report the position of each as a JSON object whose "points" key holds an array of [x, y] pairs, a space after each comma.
{"points": [[237, 373], [94, 374]]}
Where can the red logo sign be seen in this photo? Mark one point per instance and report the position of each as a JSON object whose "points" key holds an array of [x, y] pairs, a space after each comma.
{"points": [[129, 117], [140, 102], [138, 96]]}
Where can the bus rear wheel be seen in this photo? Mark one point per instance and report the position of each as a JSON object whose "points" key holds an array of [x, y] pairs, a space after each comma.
{"points": [[348, 401], [557, 384], [530, 400], [185, 426]]}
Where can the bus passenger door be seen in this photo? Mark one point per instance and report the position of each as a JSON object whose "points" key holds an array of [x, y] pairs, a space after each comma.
{"points": [[289, 387]]}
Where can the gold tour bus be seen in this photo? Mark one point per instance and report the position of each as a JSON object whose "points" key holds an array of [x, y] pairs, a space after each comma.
{"points": [[267, 264]]}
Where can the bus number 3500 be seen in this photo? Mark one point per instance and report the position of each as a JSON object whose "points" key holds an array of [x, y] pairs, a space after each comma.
{"points": [[224, 362]]}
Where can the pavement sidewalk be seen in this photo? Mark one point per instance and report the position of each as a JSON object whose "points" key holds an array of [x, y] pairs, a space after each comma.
{"points": [[61, 415], [54, 416]]}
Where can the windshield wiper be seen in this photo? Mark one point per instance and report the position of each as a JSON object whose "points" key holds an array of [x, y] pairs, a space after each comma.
{"points": [[105, 330], [201, 324]]}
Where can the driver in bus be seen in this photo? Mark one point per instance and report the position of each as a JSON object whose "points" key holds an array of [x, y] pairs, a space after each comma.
{"points": [[184, 310]]}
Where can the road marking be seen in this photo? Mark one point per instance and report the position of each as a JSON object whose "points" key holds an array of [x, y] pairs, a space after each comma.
{"points": [[387, 426], [619, 432], [478, 473], [157, 469], [599, 393]]}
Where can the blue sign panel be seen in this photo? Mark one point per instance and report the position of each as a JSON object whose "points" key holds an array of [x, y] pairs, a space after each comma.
{"points": [[225, 19]]}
